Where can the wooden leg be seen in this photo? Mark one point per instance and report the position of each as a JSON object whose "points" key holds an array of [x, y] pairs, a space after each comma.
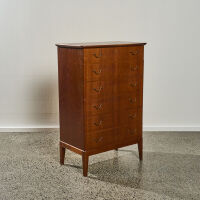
{"points": [[85, 164], [116, 149], [140, 149], [62, 155]]}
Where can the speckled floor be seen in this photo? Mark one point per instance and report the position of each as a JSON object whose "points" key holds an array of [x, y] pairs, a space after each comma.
{"points": [[30, 169]]}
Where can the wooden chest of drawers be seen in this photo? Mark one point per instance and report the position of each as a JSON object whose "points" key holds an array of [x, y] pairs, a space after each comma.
{"points": [[100, 97]]}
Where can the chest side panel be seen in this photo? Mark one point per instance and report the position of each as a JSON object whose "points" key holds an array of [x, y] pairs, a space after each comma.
{"points": [[70, 71]]}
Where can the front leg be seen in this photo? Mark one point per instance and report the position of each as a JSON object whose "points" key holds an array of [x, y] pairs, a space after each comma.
{"points": [[85, 159], [140, 149], [62, 155]]}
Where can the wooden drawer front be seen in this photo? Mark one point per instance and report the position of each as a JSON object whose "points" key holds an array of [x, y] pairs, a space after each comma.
{"points": [[126, 101], [128, 54], [99, 90], [128, 117], [98, 72], [128, 70], [100, 122], [92, 55], [127, 87], [100, 139], [94, 106], [127, 134]]}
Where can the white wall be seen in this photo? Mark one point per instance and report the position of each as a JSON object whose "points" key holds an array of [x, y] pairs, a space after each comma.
{"points": [[28, 57]]}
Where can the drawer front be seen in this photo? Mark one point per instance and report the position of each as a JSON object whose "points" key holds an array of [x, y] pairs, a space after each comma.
{"points": [[95, 106], [98, 72], [92, 55], [128, 70], [100, 55], [127, 101], [127, 134], [120, 103], [128, 54], [128, 117], [97, 140], [100, 122], [99, 90], [127, 86]]}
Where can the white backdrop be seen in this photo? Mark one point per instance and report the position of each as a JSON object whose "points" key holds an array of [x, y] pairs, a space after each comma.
{"points": [[28, 57]]}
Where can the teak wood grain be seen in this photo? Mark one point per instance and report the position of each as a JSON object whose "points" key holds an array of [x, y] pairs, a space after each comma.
{"points": [[100, 97]]}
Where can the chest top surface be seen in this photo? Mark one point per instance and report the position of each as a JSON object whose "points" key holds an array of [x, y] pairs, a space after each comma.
{"points": [[99, 44]]}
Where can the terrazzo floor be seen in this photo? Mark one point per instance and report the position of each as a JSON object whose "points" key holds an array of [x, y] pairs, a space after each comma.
{"points": [[30, 169]]}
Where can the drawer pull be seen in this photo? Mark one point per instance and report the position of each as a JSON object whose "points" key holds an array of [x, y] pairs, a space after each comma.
{"points": [[98, 107], [98, 123], [133, 85], [97, 56], [133, 53], [99, 139], [131, 131], [132, 68], [132, 116], [132, 100], [98, 90], [97, 72]]}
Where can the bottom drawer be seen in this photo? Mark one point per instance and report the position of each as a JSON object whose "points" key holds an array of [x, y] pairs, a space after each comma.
{"points": [[96, 140], [127, 134]]}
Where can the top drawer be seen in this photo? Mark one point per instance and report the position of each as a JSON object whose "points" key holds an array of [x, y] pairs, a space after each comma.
{"points": [[92, 55], [100, 55], [128, 54]]}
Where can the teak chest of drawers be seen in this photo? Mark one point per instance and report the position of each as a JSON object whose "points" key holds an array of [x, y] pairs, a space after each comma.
{"points": [[100, 97]]}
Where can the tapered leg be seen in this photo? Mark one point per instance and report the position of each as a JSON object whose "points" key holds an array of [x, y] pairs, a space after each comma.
{"points": [[62, 155], [85, 164], [140, 149]]}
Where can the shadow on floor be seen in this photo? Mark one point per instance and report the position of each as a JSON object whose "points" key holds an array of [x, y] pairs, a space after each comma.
{"points": [[175, 175]]}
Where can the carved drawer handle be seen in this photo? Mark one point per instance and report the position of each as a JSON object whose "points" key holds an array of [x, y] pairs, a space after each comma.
{"points": [[98, 123], [132, 100], [99, 139], [131, 131], [98, 107], [133, 85], [97, 56], [98, 90], [97, 72], [132, 116], [132, 68], [133, 53]]}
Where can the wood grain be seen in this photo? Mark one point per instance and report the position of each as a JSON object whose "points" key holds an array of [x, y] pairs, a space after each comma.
{"points": [[70, 71]]}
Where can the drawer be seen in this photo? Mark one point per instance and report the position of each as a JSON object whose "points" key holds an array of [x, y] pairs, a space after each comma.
{"points": [[100, 55], [128, 54], [100, 122], [95, 106], [129, 86], [98, 72], [127, 101], [128, 70], [128, 117], [92, 55], [117, 103], [98, 90], [127, 134], [100, 139]]}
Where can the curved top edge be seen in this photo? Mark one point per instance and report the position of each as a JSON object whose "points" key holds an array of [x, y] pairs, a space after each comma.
{"points": [[99, 44]]}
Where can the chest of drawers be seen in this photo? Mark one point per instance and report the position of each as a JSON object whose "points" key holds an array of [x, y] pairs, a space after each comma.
{"points": [[100, 97]]}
